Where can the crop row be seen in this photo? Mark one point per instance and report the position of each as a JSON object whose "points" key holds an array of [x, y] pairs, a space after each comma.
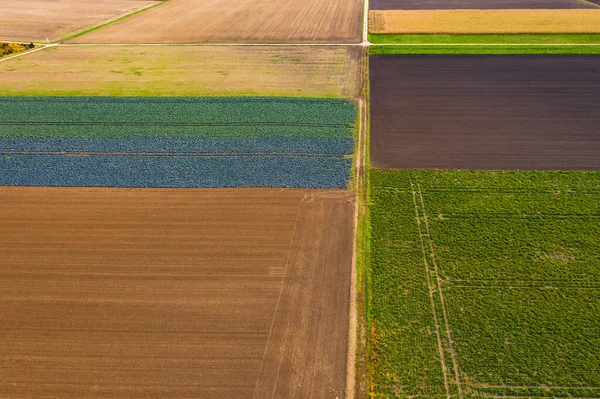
{"points": [[114, 130], [174, 171], [178, 110], [183, 145]]}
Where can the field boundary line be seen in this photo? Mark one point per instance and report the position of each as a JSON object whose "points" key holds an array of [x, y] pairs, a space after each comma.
{"points": [[488, 395], [431, 290], [365, 30], [484, 44], [107, 23], [484, 385], [287, 260], [22, 53], [442, 300]]}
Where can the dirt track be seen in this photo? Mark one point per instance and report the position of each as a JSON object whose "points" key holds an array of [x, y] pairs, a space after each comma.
{"points": [[485, 112], [38, 20], [245, 21], [174, 293], [475, 4]]}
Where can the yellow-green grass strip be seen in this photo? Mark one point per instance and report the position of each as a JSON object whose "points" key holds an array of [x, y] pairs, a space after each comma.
{"points": [[542, 38], [484, 49], [484, 21]]}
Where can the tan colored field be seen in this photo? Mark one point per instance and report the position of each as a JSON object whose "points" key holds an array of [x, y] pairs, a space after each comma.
{"points": [[484, 21], [38, 20], [233, 293], [184, 71], [229, 21]]}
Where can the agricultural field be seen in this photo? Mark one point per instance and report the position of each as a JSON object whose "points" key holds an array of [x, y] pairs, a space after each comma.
{"points": [[176, 142], [477, 4], [174, 293], [50, 20], [484, 284], [238, 21], [484, 21], [485, 112], [184, 71]]}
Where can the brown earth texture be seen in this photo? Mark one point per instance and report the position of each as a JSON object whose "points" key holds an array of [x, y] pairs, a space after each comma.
{"points": [[485, 111], [151, 293]]}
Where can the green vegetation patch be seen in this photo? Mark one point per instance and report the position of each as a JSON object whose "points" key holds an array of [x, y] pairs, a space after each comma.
{"points": [[570, 38], [484, 49], [87, 117], [485, 283], [12, 48]]}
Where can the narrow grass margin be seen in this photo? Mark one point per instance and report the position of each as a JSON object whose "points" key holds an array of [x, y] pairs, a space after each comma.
{"points": [[414, 39], [484, 49]]}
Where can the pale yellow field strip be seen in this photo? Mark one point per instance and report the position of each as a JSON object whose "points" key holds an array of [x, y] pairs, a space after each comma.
{"points": [[51, 20], [484, 21], [184, 71]]}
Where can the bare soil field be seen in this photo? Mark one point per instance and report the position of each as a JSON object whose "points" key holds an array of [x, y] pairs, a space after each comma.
{"points": [[174, 293], [476, 4], [484, 21], [485, 112], [219, 21], [38, 20], [184, 71]]}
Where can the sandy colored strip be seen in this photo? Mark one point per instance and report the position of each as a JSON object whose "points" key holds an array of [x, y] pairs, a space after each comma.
{"points": [[484, 21], [218, 21], [184, 71], [38, 20], [169, 293]]}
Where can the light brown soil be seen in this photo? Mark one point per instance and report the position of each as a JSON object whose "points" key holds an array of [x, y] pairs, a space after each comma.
{"points": [[174, 293], [219, 21], [330, 71], [38, 20]]}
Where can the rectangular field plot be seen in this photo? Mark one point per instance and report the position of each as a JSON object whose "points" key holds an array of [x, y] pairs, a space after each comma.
{"points": [[38, 20], [485, 112], [484, 21], [238, 21], [485, 284], [184, 71], [476, 4], [176, 141], [174, 293]]}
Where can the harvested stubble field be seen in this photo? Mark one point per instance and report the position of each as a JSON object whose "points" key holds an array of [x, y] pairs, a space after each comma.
{"points": [[485, 284], [176, 141], [184, 71], [477, 4], [484, 21], [174, 293], [247, 21], [485, 112], [39, 20]]}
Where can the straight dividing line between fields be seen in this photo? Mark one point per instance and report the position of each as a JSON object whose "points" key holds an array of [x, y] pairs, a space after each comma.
{"points": [[441, 294], [23, 53], [489, 395], [431, 290]]}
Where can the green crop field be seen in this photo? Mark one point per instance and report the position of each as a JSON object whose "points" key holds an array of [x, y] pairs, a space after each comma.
{"points": [[484, 284]]}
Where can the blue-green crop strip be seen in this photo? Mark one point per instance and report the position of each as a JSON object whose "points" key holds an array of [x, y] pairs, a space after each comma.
{"points": [[297, 129]]}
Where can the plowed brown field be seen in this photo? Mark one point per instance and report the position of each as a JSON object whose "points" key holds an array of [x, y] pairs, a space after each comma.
{"points": [[485, 112], [38, 20], [174, 293], [218, 21]]}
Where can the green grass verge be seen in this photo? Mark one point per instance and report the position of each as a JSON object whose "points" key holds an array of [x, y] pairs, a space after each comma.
{"points": [[577, 38], [516, 254], [500, 49]]}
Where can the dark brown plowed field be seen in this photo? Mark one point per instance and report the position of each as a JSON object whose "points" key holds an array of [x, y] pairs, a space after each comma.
{"points": [[476, 4], [485, 112], [110, 293]]}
